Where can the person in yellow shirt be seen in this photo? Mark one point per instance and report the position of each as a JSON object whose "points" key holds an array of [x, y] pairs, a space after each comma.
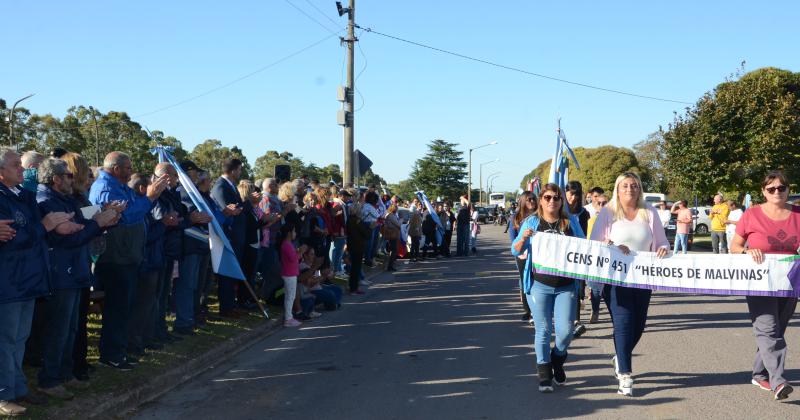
{"points": [[719, 215]]}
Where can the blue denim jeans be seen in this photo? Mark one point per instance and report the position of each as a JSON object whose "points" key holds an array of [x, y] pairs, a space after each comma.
{"points": [[596, 295], [369, 252], [681, 242], [184, 290], [337, 252], [119, 282], [15, 319], [162, 299], [628, 308], [329, 295], [61, 313], [552, 303]]}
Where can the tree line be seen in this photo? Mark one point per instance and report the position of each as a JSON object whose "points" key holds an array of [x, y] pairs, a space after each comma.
{"points": [[94, 134]]}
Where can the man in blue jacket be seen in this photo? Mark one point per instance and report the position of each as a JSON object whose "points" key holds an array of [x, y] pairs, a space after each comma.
{"points": [[117, 268], [23, 274], [69, 273]]}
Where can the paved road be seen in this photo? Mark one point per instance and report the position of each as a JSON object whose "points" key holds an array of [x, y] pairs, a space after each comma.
{"points": [[443, 340]]}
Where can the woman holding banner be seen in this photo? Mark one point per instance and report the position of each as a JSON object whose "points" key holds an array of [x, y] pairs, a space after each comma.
{"points": [[632, 225], [773, 228], [555, 296]]}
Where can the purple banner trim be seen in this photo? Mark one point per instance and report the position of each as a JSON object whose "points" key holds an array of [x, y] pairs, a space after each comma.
{"points": [[726, 292]]}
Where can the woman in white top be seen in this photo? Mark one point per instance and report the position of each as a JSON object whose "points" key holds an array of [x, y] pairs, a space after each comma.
{"points": [[632, 225], [474, 229]]}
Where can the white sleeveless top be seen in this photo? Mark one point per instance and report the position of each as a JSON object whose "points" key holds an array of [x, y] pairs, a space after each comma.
{"points": [[636, 234]]}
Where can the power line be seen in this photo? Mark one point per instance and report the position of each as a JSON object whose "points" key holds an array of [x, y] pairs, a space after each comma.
{"points": [[518, 70], [309, 16], [335, 23], [239, 79]]}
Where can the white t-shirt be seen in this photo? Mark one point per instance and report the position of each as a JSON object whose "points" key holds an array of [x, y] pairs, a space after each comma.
{"points": [[664, 215], [590, 208], [636, 234], [734, 216]]}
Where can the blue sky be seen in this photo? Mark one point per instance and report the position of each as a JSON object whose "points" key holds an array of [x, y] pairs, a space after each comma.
{"points": [[145, 55]]}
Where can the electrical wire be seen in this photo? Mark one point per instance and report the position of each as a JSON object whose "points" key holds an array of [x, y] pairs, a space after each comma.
{"points": [[364, 56], [309, 16], [336, 24], [518, 70], [239, 79]]}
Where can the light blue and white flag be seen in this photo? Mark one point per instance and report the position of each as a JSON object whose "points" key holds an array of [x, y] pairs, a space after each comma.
{"points": [[439, 228], [223, 259]]}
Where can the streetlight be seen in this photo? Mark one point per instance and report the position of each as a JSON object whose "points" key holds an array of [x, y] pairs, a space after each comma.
{"points": [[469, 181], [10, 119], [491, 177], [480, 179]]}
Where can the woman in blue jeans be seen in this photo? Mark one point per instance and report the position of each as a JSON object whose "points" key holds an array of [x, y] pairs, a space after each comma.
{"points": [[555, 296], [629, 223]]}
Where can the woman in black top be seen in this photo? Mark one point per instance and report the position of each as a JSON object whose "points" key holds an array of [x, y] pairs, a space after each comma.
{"points": [[574, 193]]}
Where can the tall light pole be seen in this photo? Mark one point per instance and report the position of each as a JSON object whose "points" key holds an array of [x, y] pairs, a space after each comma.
{"points": [[346, 117], [10, 119], [491, 177], [96, 137], [469, 170], [480, 178]]}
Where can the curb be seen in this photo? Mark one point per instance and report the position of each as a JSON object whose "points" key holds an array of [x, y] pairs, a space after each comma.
{"points": [[116, 405]]}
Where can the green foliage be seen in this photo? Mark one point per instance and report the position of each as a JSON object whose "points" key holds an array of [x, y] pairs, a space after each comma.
{"points": [[736, 133], [404, 189], [441, 172], [210, 155], [600, 167]]}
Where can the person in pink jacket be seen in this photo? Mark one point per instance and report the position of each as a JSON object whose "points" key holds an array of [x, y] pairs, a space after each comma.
{"points": [[631, 224]]}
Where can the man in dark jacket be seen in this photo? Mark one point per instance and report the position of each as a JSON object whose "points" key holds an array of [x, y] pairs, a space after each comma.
{"points": [[69, 273], [23, 274], [227, 197], [118, 267]]}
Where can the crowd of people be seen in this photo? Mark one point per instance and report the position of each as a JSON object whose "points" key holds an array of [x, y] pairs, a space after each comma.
{"points": [[627, 222], [138, 245]]}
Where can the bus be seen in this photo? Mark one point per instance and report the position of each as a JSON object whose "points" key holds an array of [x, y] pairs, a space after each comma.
{"points": [[497, 199]]}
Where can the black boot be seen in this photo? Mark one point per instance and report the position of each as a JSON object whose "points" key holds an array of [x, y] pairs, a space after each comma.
{"points": [[545, 377], [559, 376]]}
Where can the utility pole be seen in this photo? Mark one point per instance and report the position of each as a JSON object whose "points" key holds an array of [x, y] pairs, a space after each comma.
{"points": [[346, 116], [96, 138]]}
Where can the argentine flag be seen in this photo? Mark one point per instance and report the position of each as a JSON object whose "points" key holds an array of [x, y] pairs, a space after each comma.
{"points": [[439, 228], [223, 259]]}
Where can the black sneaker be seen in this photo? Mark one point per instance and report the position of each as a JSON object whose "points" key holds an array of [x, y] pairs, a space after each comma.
{"points": [[526, 317], [578, 330], [545, 372], [301, 316], [121, 366]]}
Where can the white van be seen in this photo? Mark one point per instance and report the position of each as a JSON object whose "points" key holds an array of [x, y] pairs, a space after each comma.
{"points": [[654, 198]]}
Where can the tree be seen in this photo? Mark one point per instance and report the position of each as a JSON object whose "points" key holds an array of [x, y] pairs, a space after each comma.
{"points": [[371, 178], [441, 172], [210, 154], [404, 189], [650, 154], [736, 133], [600, 167]]}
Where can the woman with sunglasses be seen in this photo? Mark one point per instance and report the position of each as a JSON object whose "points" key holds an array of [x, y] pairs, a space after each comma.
{"points": [[770, 228], [574, 195], [555, 296], [526, 203], [632, 225]]}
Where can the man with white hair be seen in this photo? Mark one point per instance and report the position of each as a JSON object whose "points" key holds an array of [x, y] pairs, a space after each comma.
{"points": [[30, 163], [719, 215], [24, 274]]}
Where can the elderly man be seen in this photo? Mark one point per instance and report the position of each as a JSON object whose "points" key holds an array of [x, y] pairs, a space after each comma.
{"points": [[30, 163], [169, 204], [719, 215], [69, 273], [117, 268], [23, 274]]}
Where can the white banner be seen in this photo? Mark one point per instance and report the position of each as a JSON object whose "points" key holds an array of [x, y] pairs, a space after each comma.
{"points": [[721, 274]]}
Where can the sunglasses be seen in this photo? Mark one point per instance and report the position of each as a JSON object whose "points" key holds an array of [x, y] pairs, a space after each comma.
{"points": [[551, 197], [532, 199], [602, 203], [780, 189]]}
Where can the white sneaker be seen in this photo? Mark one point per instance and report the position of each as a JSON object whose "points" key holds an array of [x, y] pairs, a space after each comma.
{"points": [[616, 367], [365, 283], [625, 385], [291, 323], [315, 314]]}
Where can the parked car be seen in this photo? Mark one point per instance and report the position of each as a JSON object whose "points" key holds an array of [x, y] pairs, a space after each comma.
{"points": [[484, 215], [671, 230], [702, 221]]}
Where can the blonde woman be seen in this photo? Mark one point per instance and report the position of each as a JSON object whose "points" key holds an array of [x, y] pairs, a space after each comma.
{"points": [[630, 224]]}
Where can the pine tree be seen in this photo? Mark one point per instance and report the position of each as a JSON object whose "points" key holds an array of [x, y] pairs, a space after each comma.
{"points": [[441, 172]]}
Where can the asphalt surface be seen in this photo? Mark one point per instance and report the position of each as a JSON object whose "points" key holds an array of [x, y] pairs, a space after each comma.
{"points": [[443, 339]]}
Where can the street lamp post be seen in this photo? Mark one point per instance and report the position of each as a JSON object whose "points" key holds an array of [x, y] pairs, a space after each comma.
{"points": [[491, 177], [10, 119], [469, 171], [480, 179]]}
